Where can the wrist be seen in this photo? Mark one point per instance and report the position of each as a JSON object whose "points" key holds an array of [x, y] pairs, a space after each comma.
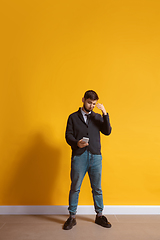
{"points": [[105, 113]]}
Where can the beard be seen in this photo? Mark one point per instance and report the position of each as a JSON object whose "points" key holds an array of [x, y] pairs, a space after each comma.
{"points": [[86, 108]]}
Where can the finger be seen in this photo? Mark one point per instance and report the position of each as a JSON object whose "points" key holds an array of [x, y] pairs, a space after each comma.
{"points": [[84, 144], [99, 106]]}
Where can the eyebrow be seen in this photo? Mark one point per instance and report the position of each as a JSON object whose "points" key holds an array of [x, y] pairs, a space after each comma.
{"points": [[91, 102]]}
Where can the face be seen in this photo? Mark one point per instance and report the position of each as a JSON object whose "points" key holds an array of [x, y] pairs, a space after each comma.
{"points": [[88, 104]]}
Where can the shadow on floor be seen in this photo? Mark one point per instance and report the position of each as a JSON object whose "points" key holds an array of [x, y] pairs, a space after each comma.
{"points": [[52, 218]]}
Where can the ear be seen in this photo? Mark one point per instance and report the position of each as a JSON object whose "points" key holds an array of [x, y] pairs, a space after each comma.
{"points": [[83, 99]]}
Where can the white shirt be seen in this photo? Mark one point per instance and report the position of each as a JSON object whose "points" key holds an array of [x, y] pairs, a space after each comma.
{"points": [[84, 115]]}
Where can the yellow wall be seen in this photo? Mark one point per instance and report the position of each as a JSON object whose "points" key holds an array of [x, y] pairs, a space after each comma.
{"points": [[51, 53]]}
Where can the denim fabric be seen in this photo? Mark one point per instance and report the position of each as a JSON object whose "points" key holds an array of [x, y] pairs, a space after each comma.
{"points": [[81, 164]]}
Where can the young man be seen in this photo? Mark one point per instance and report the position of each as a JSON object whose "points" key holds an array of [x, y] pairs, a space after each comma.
{"points": [[86, 154]]}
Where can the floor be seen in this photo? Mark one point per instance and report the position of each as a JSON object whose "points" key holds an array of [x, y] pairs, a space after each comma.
{"points": [[49, 227]]}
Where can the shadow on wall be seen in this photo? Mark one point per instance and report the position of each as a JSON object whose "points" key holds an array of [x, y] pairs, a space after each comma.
{"points": [[35, 174]]}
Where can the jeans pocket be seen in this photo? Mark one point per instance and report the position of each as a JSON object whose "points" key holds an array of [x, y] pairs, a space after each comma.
{"points": [[73, 158]]}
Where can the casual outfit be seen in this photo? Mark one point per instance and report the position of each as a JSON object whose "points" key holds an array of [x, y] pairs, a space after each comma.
{"points": [[87, 159]]}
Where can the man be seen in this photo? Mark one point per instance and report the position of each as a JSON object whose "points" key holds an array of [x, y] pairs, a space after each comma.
{"points": [[86, 154]]}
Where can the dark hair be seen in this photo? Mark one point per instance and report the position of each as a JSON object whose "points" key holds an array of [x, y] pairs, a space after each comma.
{"points": [[91, 94]]}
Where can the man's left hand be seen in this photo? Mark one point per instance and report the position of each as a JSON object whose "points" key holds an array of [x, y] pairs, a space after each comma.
{"points": [[102, 108]]}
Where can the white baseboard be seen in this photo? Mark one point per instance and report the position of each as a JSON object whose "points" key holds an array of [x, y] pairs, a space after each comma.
{"points": [[82, 209]]}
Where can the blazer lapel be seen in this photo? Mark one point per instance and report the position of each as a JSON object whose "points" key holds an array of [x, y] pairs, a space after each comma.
{"points": [[80, 115]]}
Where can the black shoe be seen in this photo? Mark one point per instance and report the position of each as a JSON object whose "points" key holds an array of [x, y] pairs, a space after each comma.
{"points": [[102, 221], [69, 223]]}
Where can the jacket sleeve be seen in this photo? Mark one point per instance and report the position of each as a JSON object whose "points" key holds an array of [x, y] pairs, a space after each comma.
{"points": [[69, 134], [105, 126]]}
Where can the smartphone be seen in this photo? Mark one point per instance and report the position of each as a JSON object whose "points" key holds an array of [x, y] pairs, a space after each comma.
{"points": [[85, 139]]}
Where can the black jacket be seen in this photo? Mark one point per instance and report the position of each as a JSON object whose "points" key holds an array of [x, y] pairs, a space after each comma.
{"points": [[77, 129]]}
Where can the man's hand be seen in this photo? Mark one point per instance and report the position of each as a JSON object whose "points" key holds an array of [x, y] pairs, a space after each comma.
{"points": [[82, 144], [102, 108]]}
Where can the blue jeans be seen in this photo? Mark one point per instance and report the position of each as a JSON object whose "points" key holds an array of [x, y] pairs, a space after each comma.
{"points": [[92, 164]]}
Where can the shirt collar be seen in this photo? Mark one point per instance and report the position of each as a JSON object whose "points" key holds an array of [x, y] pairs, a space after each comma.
{"points": [[83, 113]]}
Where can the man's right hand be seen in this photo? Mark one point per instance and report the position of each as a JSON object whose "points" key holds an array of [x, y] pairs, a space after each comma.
{"points": [[82, 144]]}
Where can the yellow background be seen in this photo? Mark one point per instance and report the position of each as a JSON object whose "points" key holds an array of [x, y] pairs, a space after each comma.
{"points": [[51, 53]]}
